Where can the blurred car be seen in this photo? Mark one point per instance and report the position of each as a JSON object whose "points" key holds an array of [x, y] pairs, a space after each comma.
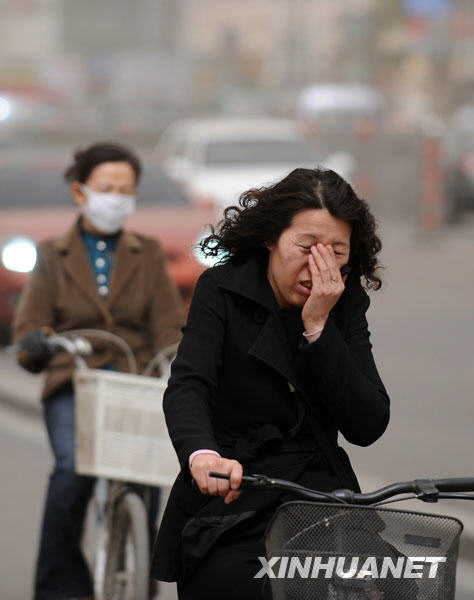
{"points": [[341, 107], [349, 118], [29, 110], [458, 149], [215, 160], [35, 204]]}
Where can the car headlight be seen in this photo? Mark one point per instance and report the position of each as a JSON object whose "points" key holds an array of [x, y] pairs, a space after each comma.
{"points": [[5, 109], [207, 261], [19, 255]]}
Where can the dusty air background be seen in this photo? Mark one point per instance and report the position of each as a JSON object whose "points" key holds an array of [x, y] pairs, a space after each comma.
{"points": [[219, 95]]}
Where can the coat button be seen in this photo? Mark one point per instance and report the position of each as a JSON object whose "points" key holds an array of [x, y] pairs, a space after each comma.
{"points": [[259, 316]]}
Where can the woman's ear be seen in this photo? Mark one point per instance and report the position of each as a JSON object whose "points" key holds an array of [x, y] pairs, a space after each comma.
{"points": [[77, 194]]}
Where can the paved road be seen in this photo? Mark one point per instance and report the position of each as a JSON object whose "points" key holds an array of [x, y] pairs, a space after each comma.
{"points": [[26, 461], [23, 471], [423, 336]]}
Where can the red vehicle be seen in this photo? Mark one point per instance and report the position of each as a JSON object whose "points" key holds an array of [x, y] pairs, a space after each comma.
{"points": [[35, 204]]}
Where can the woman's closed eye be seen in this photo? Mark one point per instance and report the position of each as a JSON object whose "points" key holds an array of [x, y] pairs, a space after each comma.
{"points": [[308, 248]]}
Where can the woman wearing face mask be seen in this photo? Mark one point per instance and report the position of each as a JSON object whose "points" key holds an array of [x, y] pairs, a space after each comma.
{"points": [[96, 275]]}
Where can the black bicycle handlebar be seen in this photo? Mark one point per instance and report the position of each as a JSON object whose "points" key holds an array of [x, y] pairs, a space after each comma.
{"points": [[428, 490], [455, 484]]}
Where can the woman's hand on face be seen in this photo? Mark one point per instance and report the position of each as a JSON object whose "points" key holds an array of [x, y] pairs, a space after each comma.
{"points": [[327, 287], [204, 463]]}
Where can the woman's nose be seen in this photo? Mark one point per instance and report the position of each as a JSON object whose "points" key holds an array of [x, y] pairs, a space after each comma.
{"points": [[306, 271]]}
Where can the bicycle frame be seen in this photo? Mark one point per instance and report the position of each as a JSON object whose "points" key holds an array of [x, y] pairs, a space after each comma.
{"points": [[120, 512]]}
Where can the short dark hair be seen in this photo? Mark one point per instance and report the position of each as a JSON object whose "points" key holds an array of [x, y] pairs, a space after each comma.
{"points": [[264, 213], [85, 160]]}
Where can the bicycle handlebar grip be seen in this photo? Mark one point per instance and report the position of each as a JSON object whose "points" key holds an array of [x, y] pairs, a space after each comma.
{"points": [[455, 484], [247, 480], [219, 475]]}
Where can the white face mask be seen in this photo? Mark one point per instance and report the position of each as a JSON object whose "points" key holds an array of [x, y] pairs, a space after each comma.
{"points": [[107, 212]]}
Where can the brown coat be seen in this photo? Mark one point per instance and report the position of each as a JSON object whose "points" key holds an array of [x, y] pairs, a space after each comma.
{"points": [[144, 307]]}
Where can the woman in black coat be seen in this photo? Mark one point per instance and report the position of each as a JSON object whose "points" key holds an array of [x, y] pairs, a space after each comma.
{"points": [[275, 362]]}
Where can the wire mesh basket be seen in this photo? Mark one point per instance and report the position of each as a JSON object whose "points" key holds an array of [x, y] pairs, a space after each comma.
{"points": [[346, 552], [120, 428]]}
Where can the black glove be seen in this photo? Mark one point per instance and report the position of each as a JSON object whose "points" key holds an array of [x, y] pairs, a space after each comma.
{"points": [[35, 343]]}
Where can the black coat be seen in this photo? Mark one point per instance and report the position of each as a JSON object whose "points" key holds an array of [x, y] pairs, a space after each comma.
{"points": [[229, 392]]}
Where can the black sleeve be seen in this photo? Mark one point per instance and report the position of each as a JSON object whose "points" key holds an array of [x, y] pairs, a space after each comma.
{"points": [[344, 376], [191, 390]]}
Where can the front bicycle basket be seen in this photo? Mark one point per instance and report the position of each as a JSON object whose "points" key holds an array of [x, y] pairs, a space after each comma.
{"points": [[343, 552], [121, 431]]}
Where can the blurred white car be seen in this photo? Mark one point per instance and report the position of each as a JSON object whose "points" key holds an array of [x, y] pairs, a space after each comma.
{"points": [[351, 108], [350, 119], [216, 160]]}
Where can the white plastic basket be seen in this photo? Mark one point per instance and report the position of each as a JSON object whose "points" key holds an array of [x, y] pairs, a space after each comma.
{"points": [[120, 428]]}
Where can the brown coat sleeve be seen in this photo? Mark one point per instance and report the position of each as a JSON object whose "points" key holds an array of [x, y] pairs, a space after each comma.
{"points": [[166, 310], [36, 306]]}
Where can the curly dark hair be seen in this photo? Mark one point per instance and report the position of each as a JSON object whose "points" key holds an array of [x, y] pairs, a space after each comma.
{"points": [[264, 213]]}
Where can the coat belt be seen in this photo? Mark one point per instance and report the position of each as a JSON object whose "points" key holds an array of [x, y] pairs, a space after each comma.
{"points": [[244, 449]]}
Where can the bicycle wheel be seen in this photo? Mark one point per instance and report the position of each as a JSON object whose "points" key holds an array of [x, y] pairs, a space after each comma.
{"points": [[126, 571]]}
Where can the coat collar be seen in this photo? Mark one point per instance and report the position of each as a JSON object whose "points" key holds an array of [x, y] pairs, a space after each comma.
{"points": [[249, 279], [70, 247], [67, 242]]}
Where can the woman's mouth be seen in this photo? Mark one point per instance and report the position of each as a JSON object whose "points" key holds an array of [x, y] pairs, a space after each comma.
{"points": [[305, 286]]}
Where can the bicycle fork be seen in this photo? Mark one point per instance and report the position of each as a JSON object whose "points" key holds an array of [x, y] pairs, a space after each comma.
{"points": [[101, 536]]}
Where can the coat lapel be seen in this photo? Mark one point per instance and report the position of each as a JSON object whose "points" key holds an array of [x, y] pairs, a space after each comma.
{"points": [[74, 257], [127, 260], [270, 346]]}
